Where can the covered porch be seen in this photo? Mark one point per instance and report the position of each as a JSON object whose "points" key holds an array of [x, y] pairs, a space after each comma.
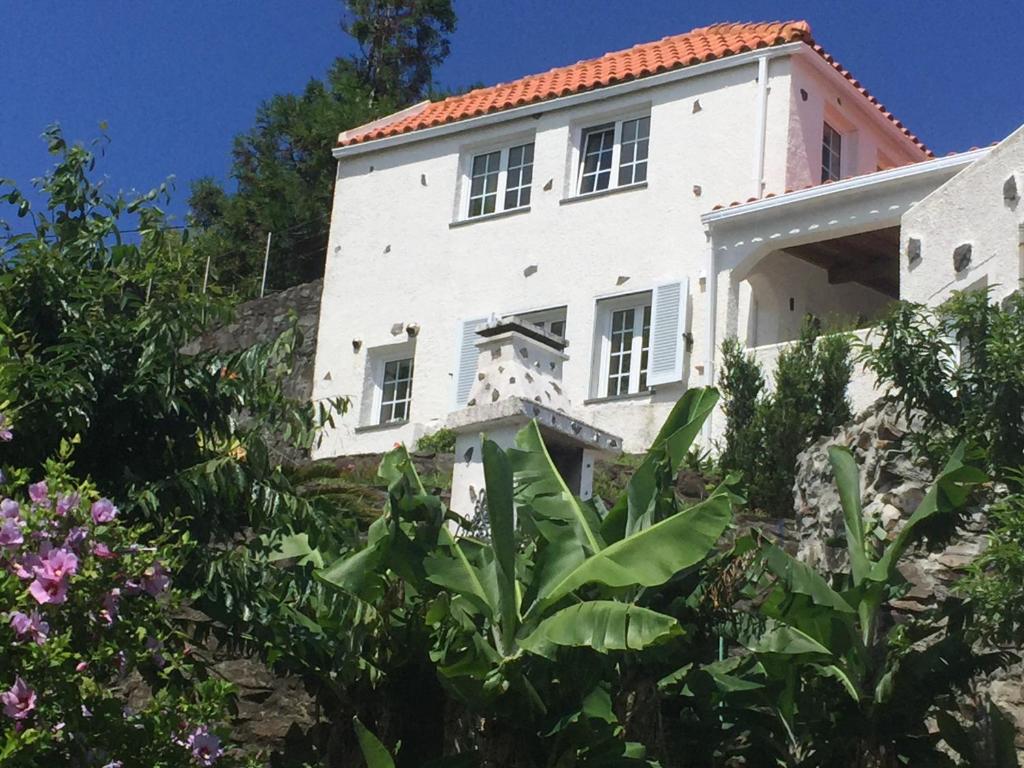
{"points": [[831, 252]]}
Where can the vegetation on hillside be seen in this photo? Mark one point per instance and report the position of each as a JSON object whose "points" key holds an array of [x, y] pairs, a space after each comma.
{"points": [[766, 430]]}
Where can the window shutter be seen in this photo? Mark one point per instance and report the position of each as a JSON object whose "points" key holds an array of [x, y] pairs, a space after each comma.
{"points": [[668, 315], [465, 361]]}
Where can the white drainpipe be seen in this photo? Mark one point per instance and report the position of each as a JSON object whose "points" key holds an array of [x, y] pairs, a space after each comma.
{"points": [[762, 125]]}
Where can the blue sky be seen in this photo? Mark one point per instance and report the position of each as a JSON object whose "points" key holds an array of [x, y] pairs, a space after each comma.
{"points": [[175, 81]]}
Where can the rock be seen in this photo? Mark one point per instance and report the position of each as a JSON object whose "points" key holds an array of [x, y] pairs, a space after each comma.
{"points": [[893, 484]]}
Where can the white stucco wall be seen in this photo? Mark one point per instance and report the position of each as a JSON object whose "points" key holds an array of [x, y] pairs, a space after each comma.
{"points": [[779, 278], [870, 141], [394, 258], [969, 208]]}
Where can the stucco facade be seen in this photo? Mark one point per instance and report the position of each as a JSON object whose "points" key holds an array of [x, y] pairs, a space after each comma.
{"points": [[407, 270], [979, 213]]}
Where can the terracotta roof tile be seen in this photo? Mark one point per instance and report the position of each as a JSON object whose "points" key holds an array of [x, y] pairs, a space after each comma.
{"points": [[694, 47]]}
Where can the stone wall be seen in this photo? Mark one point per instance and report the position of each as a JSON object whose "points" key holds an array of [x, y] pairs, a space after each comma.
{"points": [[262, 320], [893, 482]]}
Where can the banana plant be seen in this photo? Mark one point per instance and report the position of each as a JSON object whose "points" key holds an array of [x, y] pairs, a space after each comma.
{"points": [[892, 676], [556, 573]]}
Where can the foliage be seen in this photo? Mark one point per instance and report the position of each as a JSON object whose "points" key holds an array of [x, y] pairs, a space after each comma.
{"points": [[960, 369], [765, 432], [742, 383], [995, 582], [283, 168], [94, 670], [94, 327], [402, 44], [849, 686], [557, 581], [441, 441]]}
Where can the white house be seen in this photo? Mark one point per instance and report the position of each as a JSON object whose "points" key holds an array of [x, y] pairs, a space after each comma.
{"points": [[593, 201]]}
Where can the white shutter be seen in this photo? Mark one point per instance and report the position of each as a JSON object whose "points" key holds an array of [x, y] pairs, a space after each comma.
{"points": [[465, 360], [668, 318]]}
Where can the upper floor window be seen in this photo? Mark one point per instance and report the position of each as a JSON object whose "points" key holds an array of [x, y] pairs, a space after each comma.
{"points": [[500, 180], [831, 154], [620, 147]]}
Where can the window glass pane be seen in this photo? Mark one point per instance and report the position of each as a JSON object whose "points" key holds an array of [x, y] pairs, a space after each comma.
{"points": [[396, 390], [558, 328], [597, 159], [484, 183], [633, 152], [645, 347], [620, 351], [519, 176], [831, 154]]}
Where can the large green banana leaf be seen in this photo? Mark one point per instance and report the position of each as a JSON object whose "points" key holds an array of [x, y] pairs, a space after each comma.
{"points": [[633, 509], [374, 752], [542, 491], [501, 513], [604, 625], [652, 556]]}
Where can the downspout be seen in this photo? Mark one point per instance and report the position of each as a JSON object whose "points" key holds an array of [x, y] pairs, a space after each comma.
{"points": [[762, 126]]}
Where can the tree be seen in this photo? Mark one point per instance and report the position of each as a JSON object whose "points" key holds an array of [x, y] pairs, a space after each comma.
{"points": [[94, 319], [283, 168], [402, 42]]}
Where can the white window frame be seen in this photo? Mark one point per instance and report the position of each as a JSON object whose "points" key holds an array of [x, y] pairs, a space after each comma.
{"points": [[606, 309], [603, 125], [470, 156], [379, 366]]}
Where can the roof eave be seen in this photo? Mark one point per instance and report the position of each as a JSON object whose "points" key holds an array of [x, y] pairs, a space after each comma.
{"points": [[846, 186], [575, 99]]}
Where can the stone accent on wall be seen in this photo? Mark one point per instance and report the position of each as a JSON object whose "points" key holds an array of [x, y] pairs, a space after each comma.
{"points": [[262, 320]]}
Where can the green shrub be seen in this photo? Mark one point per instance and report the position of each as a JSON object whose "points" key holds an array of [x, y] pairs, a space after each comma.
{"points": [[961, 368], [441, 441], [765, 432]]}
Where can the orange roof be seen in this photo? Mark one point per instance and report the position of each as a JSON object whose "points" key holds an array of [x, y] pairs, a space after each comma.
{"points": [[695, 47]]}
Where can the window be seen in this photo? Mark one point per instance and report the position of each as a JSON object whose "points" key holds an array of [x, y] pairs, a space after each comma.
{"points": [[831, 154], [395, 390], [550, 320], [500, 180], [625, 345], [622, 145]]}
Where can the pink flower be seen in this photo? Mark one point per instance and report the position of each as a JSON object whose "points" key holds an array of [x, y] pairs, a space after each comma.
{"points": [[76, 536], [24, 568], [57, 564], [10, 535], [30, 624], [46, 591], [67, 503], [39, 494], [5, 432], [155, 579], [9, 508], [20, 701], [81, 666], [103, 552], [205, 746], [110, 606], [154, 646], [103, 511]]}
